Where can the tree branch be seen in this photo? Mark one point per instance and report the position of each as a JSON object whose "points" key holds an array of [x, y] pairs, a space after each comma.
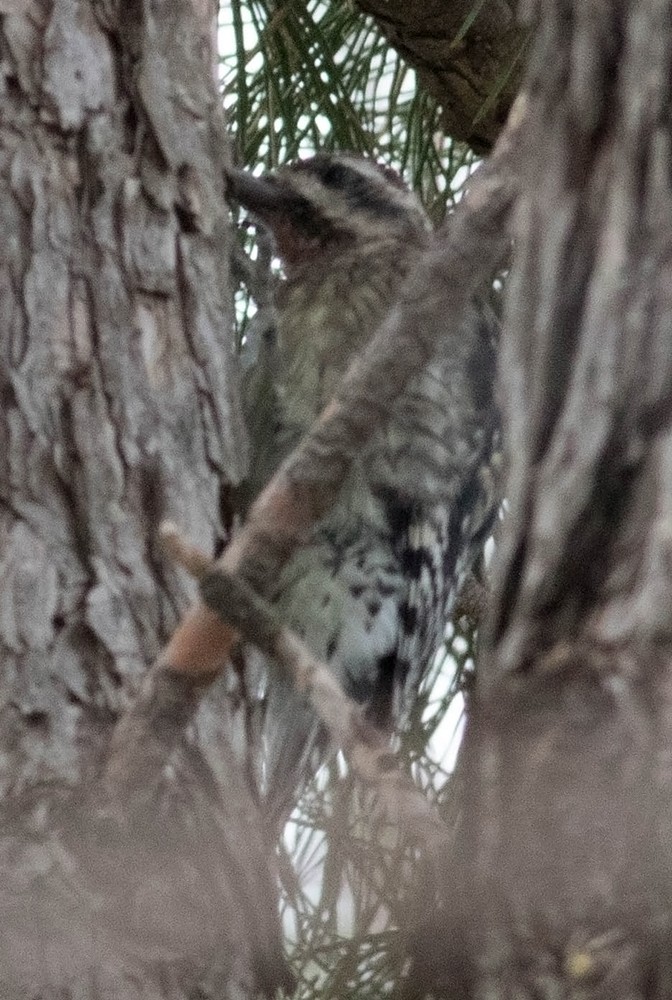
{"points": [[365, 747], [464, 253], [469, 55]]}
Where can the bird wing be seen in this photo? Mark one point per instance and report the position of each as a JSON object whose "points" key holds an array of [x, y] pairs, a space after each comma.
{"points": [[372, 591]]}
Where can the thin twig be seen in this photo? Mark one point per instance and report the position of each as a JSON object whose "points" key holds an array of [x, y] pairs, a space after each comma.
{"points": [[365, 747]]}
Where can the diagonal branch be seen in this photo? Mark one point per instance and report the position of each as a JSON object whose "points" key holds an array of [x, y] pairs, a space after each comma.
{"points": [[365, 747], [464, 253]]}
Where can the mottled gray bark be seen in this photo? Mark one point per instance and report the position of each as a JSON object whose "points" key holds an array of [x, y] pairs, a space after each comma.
{"points": [[565, 882], [119, 407], [470, 55]]}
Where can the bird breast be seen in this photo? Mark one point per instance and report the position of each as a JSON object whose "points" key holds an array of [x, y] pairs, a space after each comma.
{"points": [[327, 312]]}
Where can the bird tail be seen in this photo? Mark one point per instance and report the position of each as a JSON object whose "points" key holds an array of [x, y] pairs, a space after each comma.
{"points": [[295, 745]]}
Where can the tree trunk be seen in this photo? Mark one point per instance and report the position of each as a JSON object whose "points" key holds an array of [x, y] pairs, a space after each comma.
{"points": [[563, 886], [119, 407]]}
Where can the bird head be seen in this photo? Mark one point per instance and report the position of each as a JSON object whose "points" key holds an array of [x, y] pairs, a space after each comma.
{"points": [[331, 199]]}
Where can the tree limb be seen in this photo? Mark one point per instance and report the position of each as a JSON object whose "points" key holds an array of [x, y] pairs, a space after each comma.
{"points": [[468, 54], [464, 253]]}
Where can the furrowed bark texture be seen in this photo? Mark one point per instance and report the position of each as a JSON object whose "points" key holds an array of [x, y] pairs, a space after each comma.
{"points": [[119, 407], [564, 887], [468, 54]]}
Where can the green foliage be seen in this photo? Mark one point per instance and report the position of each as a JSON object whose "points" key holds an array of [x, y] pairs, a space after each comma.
{"points": [[301, 75]]}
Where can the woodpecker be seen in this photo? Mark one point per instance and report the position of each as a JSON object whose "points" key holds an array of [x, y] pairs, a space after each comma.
{"points": [[372, 590]]}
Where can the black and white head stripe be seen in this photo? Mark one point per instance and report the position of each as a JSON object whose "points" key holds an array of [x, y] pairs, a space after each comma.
{"points": [[351, 193]]}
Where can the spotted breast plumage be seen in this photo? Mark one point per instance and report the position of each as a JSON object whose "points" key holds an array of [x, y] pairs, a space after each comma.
{"points": [[372, 590]]}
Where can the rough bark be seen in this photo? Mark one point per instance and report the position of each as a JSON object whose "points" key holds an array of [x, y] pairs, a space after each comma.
{"points": [[564, 883], [119, 407], [468, 54]]}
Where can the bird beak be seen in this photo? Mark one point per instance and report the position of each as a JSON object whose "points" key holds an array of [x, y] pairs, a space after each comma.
{"points": [[297, 233], [261, 195]]}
